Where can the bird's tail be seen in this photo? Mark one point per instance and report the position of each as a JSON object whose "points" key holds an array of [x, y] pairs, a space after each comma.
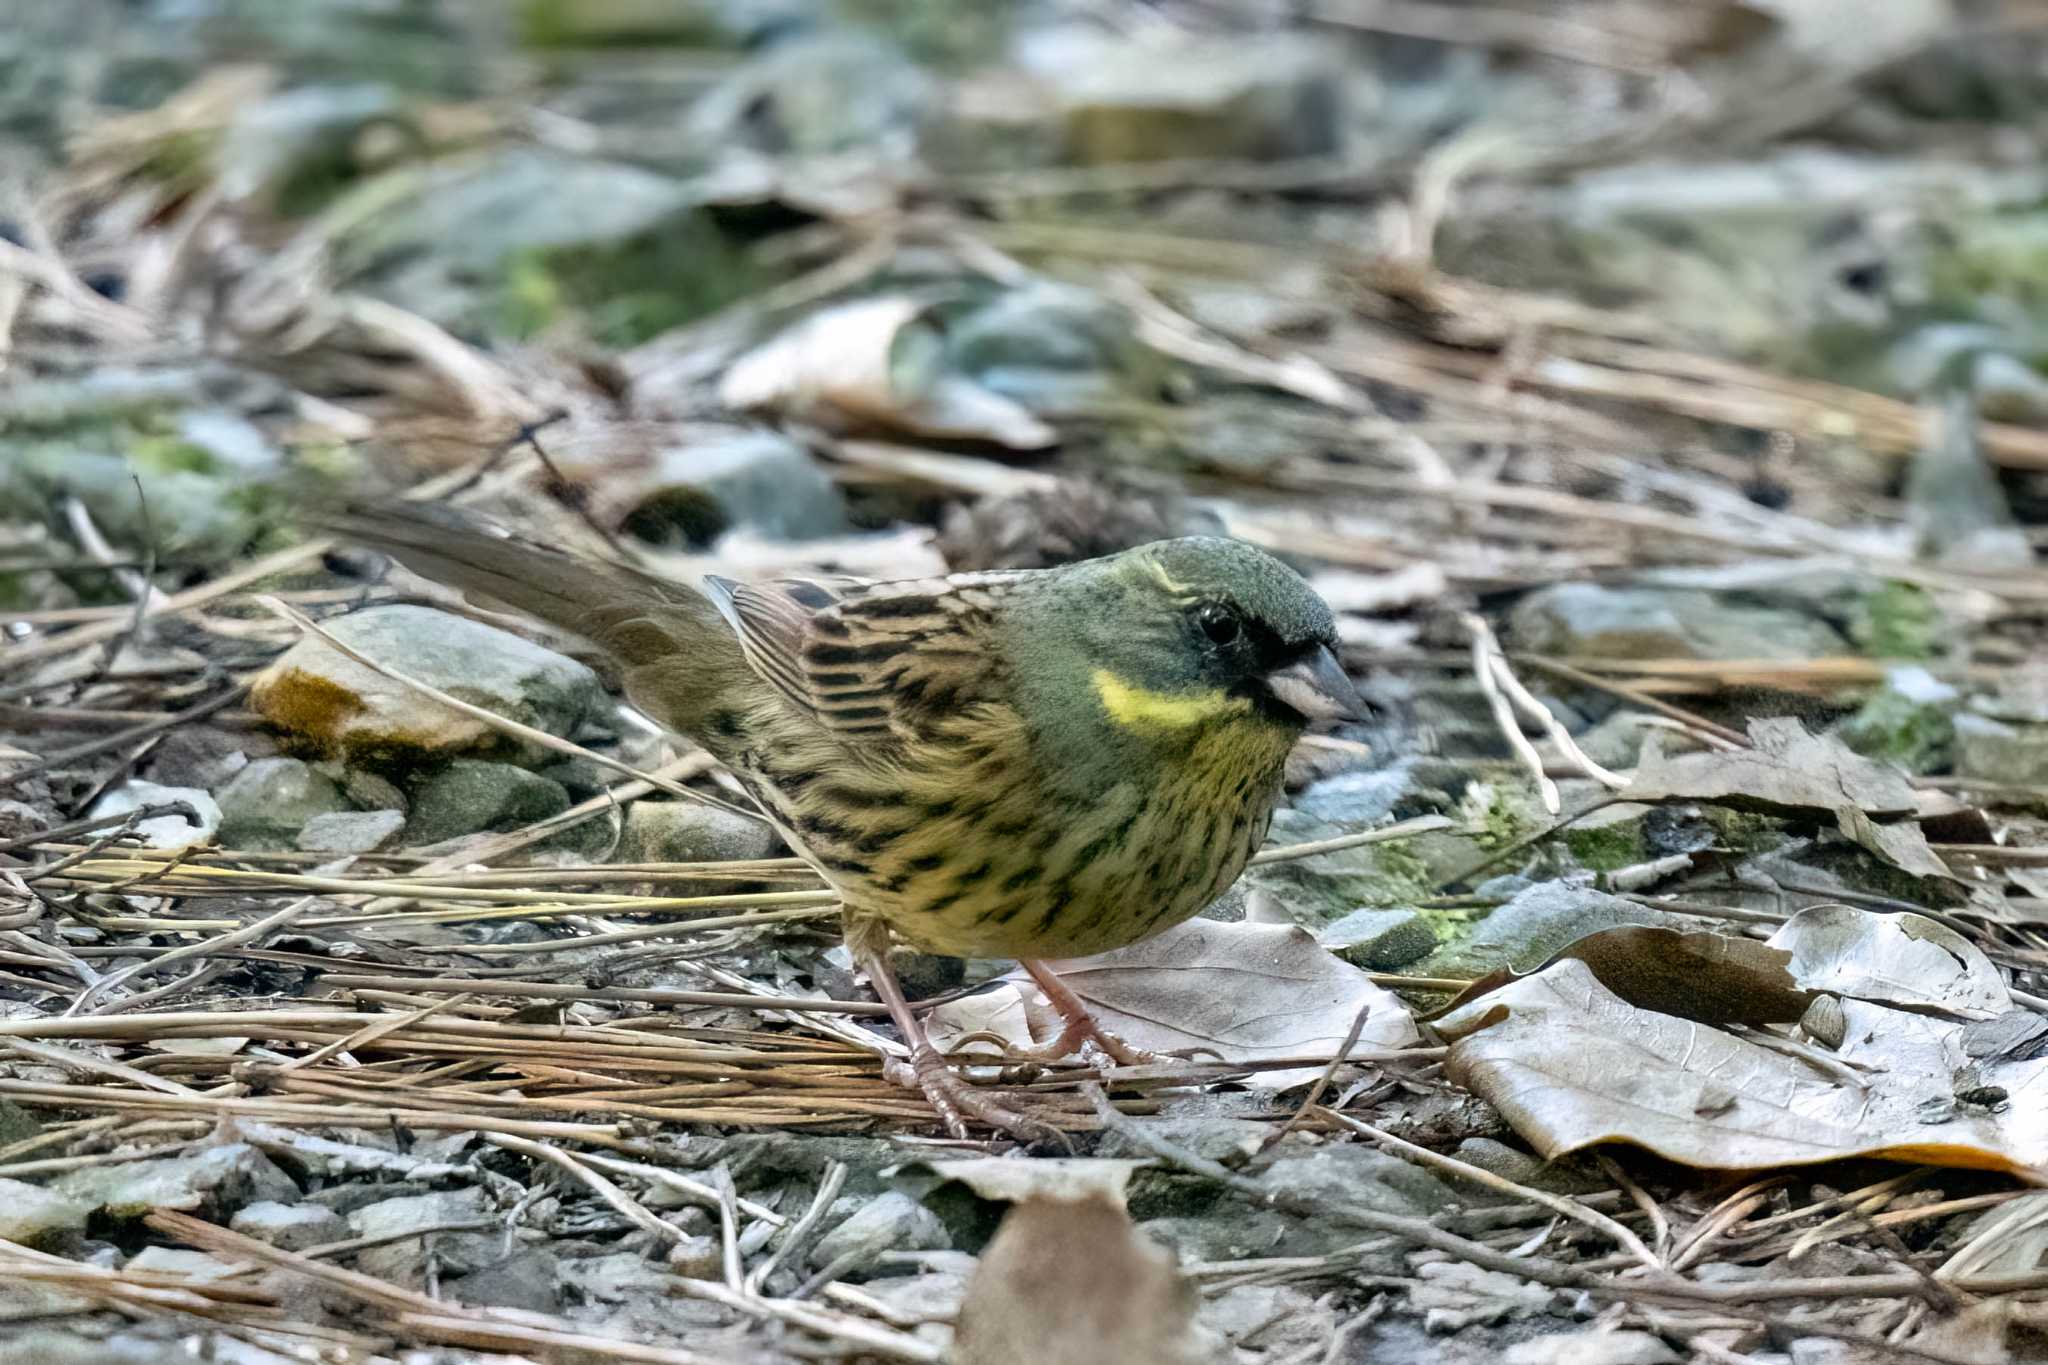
{"points": [[635, 616]]}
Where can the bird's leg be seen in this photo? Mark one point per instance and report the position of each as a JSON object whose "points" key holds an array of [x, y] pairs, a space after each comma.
{"points": [[1080, 1030], [945, 1089]]}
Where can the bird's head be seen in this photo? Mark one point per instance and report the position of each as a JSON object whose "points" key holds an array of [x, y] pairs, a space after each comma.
{"points": [[1179, 634]]}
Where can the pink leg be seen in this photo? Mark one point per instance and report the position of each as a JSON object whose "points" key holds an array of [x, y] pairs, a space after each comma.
{"points": [[946, 1091], [1080, 1031]]}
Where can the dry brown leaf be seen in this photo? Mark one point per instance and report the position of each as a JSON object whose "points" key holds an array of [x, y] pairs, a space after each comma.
{"points": [[1570, 1064], [1905, 960], [1247, 992], [1699, 975], [876, 361], [1074, 1281]]}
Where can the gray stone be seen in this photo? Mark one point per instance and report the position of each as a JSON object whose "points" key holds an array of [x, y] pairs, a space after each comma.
{"points": [[1226, 1140], [1147, 100], [2010, 390], [695, 491], [328, 701], [18, 820], [1047, 345], [1592, 620], [528, 1278], [1380, 940], [38, 1217], [1954, 501], [697, 1258], [2021, 698], [265, 805], [1617, 741], [1345, 1173], [162, 831], [372, 791], [470, 796], [1240, 1234], [1565, 1176], [1528, 929], [1317, 891], [410, 1218], [218, 1181], [1994, 751], [179, 1261], [354, 831], [1606, 838], [293, 1227], [687, 832], [196, 516], [891, 1221], [449, 237], [819, 93], [32, 1345]]}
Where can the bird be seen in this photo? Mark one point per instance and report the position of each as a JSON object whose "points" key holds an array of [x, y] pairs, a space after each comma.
{"points": [[1032, 764]]}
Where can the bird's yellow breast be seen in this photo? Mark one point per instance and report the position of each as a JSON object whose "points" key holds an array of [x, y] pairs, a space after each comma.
{"points": [[973, 850]]}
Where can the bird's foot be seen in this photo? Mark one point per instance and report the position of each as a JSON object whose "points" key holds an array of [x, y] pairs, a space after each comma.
{"points": [[956, 1099], [1088, 1040]]}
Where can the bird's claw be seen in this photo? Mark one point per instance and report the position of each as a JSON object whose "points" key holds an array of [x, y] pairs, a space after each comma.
{"points": [[955, 1101], [1089, 1041]]}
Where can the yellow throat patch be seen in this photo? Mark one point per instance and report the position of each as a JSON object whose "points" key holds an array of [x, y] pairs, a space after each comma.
{"points": [[1138, 707]]}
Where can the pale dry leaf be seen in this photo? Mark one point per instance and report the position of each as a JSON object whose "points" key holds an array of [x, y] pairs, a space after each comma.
{"points": [[1076, 1282], [1014, 1180], [876, 361], [1249, 992], [998, 1011], [1904, 959], [1569, 1064], [1592, 1346]]}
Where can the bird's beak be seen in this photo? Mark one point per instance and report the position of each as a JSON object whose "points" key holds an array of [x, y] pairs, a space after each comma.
{"points": [[1316, 687]]}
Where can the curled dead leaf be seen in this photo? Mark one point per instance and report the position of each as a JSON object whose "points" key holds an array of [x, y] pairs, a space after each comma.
{"points": [[878, 362], [1905, 960], [1074, 1281], [1700, 975], [1790, 772], [1570, 1064]]}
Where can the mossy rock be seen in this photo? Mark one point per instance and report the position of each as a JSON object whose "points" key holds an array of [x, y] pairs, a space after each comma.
{"points": [[1918, 735], [1897, 621]]}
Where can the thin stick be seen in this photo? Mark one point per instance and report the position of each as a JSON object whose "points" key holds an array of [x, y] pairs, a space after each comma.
{"points": [[611, 1194], [1557, 1203], [1483, 652], [226, 942], [797, 1238], [1406, 829]]}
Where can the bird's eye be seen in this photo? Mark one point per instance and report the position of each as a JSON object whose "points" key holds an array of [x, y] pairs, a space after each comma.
{"points": [[1218, 622]]}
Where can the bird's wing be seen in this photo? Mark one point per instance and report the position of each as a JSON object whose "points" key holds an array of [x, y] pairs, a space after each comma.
{"points": [[880, 662]]}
